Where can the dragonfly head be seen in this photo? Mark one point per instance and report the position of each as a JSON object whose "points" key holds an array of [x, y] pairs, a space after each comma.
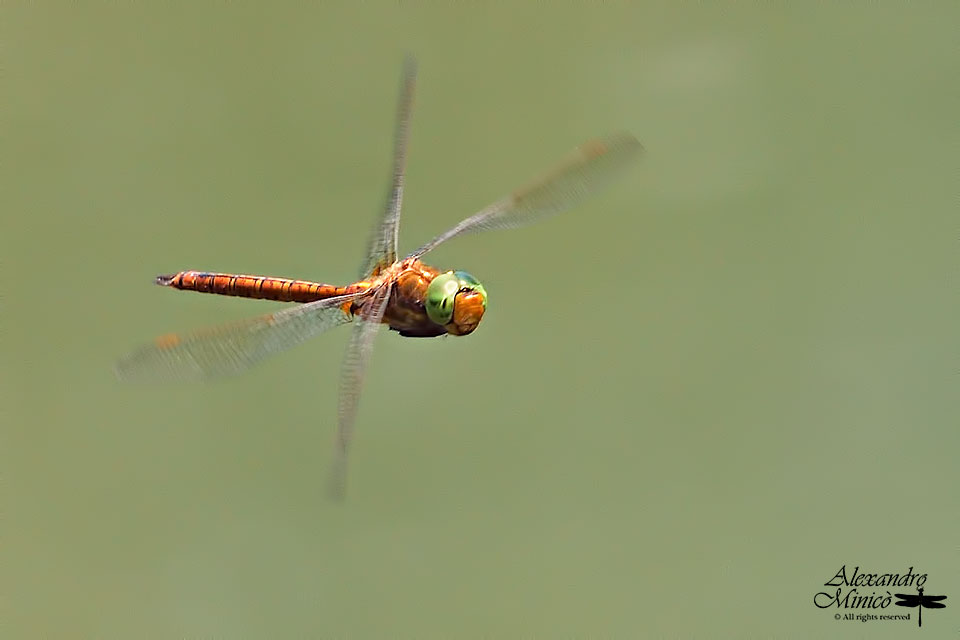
{"points": [[457, 301]]}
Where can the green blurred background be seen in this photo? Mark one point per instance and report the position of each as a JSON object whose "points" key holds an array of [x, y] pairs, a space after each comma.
{"points": [[690, 403]]}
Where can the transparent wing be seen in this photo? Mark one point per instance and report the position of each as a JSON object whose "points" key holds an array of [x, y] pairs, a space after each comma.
{"points": [[582, 172], [382, 250], [355, 361], [232, 348]]}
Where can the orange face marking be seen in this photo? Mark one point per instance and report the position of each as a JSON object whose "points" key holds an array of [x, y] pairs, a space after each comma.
{"points": [[467, 312]]}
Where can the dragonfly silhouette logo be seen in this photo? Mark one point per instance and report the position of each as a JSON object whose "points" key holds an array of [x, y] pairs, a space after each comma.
{"points": [[921, 602], [864, 597]]}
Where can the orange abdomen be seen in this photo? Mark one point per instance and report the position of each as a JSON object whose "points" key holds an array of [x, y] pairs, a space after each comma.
{"points": [[262, 287]]}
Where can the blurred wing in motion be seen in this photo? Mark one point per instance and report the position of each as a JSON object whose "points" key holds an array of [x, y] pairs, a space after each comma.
{"points": [[232, 348], [382, 251], [581, 173], [355, 361]]}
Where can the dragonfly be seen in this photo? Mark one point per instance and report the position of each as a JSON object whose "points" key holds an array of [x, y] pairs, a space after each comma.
{"points": [[409, 296], [920, 601]]}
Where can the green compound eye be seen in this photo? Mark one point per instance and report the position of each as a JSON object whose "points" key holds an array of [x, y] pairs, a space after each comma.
{"points": [[440, 296], [442, 293], [467, 281]]}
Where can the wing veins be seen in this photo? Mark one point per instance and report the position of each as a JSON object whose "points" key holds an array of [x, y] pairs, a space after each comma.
{"points": [[579, 174], [232, 348], [382, 248], [355, 361]]}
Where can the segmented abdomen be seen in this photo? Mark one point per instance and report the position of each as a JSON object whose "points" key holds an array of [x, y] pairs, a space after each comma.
{"points": [[263, 287]]}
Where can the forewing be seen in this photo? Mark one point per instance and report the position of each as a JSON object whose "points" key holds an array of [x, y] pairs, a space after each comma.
{"points": [[382, 251], [588, 168], [232, 348], [351, 382]]}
